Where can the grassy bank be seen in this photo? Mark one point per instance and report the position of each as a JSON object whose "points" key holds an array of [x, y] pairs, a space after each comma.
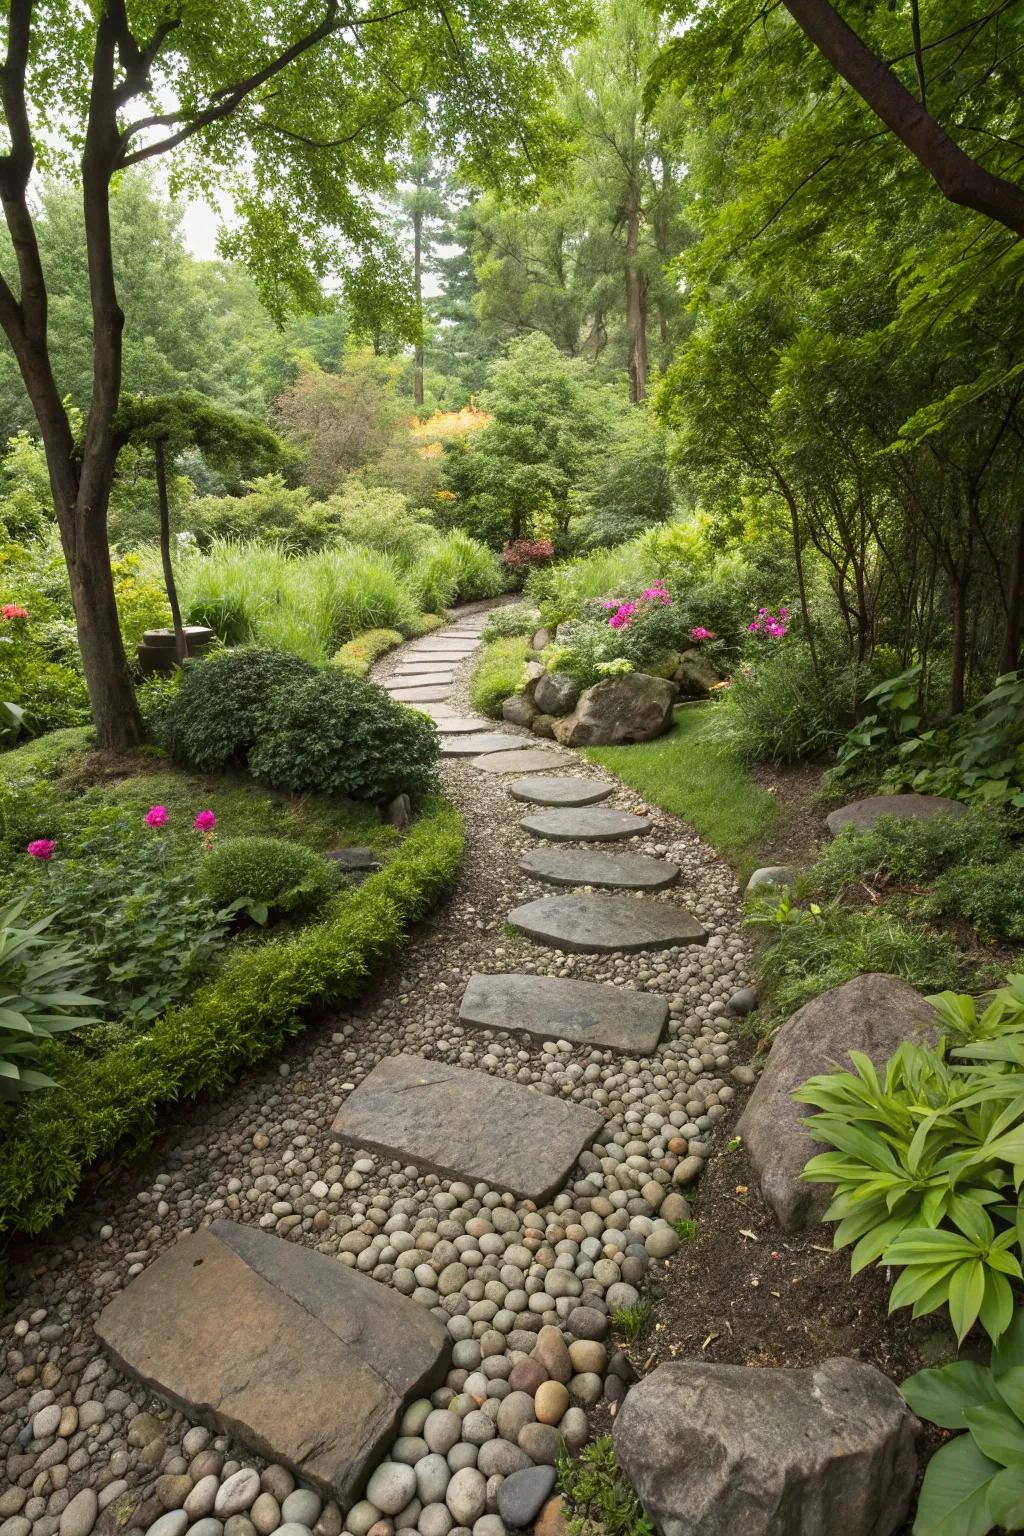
{"points": [[692, 773]]}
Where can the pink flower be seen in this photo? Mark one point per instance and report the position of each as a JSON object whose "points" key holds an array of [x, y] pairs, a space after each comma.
{"points": [[156, 816], [42, 848], [699, 633], [753, 627], [205, 821], [610, 602], [12, 611], [622, 617]]}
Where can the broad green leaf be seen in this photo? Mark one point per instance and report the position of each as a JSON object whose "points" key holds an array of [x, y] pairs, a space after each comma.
{"points": [[997, 1433], [941, 1393], [954, 1495], [1006, 1498]]}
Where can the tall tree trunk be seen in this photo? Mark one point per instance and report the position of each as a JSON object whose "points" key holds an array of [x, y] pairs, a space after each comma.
{"points": [[957, 687], [417, 268], [798, 557], [1009, 658], [180, 643], [636, 299]]}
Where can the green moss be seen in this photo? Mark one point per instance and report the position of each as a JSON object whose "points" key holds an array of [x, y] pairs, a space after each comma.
{"points": [[497, 674], [257, 1001], [693, 773]]}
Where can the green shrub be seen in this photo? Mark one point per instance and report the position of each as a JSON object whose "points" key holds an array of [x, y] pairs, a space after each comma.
{"points": [[226, 702], [560, 591], [359, 655], [810, 955], [41, 983], [903, 849], [989, 896], [339, 734], [266, 874], [497, 674], [258, 1000], [780, 711], [514, 619]]}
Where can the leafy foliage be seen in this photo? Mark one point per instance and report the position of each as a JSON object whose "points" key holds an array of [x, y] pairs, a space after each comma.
{"points": [[597, 1496], [976, 1481], [512, 620], [40, 990], [227, 702], [359, 654]]}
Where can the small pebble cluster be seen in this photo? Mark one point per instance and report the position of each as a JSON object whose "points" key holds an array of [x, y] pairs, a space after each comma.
{"points": [[528, 1296]]}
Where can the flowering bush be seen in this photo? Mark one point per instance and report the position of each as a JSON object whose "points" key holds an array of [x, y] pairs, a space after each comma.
{"points": [[772, 625], [527, 552], [13, 611], [699, 633], [42, 848]]}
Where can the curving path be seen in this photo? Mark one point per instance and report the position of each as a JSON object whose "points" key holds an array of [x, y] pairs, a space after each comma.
{"points": [[501, 1135]]}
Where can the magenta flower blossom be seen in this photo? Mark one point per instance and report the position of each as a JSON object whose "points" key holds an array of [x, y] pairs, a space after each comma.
{"points": [[753, 627], [622, 615], [700, 633], [771, 624], [205, 821], [156, 816], [42, 848]]}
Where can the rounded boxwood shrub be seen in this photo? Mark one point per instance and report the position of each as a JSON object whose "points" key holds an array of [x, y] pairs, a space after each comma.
{"points": [[265, 871], [226, 702], [339, 734]]}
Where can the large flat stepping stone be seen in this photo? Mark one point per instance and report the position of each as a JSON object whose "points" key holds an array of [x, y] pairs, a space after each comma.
{"points": [[432, 668], [418, 677], [462, 725], [555, 1008], [605, 925], [583, 825], [529, 760], [467, 1125], [564, 790], [495, 742], [305, 1361], [591, 866], [862, 815], [442, 649], [418, 694]]}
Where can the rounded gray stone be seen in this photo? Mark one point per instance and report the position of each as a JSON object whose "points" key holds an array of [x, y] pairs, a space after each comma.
{"points": [[862, 815], [174, 1523], [237, 1494], [433, 1475], [467, 1495], [473, 745], [391, 1487], [584, 824], [564, 790], [79, 1516], [462, 725], [591, 866], [530, 760], [302, 1505], [521, 1496], [606, 924]]}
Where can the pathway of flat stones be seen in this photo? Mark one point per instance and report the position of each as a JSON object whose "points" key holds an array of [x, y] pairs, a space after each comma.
{"points": [[421, 1221]]}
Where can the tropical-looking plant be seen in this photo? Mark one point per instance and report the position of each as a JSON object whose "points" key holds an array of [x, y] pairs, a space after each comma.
{"points": [[41, 993]]}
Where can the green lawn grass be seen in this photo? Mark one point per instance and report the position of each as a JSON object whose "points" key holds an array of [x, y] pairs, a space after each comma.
{"points": [[692, 773]]}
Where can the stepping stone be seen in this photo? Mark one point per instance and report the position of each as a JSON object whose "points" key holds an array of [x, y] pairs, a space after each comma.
{"points": [[596, 826], [462, 724], [442, 649], [560, 791], [862, 815], [554, 1008], [530, 760], [416, 694], [305, 1361], [417, 677], [590, 866], [436, 712], [604, 925], [467, 1125], [495, 742]]}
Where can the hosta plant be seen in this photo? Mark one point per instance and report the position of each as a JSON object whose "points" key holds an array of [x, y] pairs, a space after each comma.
{"points": [[926, 1162], [40, 983], [976, 1481]]}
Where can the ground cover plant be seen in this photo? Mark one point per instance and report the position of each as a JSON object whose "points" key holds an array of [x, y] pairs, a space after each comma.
{"points": [[498, 673], [199, 909]]}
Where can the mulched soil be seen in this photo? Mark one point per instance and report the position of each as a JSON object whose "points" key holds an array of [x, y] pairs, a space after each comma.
{"points": [[799, 829]]}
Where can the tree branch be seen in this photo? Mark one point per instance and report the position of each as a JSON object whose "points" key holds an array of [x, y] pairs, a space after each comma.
{"points": [[959, 178]]}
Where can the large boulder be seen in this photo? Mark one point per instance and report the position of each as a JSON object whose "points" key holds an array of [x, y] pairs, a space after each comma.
{"points": [[519, 710], [636, 707], [715, 1450], [556, 693], [862, 815], [873, 1014], [695, 674]]}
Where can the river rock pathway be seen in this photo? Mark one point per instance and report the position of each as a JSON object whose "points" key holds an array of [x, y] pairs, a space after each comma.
{"points": [[617, 1107]]}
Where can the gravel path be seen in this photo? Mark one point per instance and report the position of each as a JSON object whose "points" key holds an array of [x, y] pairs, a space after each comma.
{"points": [[526, 1295]]}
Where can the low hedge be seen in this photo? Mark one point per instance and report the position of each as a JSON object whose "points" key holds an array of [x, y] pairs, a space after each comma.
{"points": [[360, 653], [258, 999]]}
